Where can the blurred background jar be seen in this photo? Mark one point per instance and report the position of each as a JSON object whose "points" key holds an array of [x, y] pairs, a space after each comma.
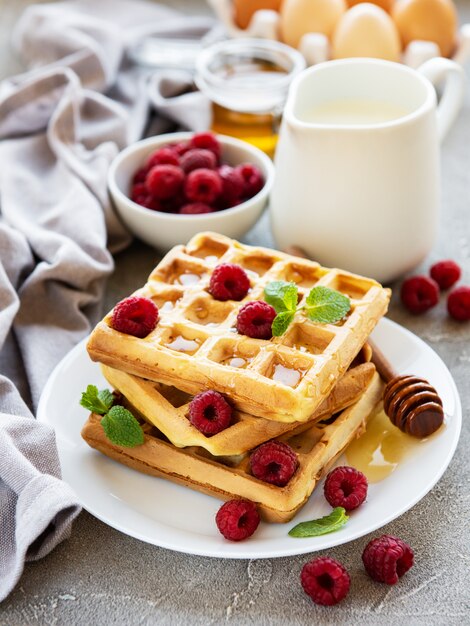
{"points": [[247, 81]]}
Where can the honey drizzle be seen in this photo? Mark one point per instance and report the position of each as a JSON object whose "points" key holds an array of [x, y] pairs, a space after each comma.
{"points": [[379, 451]]}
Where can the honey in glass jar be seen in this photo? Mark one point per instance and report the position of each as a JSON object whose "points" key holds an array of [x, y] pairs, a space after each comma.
{"points": [[247, 81]]}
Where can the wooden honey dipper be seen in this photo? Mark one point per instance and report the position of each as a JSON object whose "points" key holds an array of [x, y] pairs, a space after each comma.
{"points": [[411, 403]]}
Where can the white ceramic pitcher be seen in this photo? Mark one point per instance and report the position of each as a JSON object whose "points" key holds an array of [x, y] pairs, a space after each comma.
{"points": [[364, 197]]}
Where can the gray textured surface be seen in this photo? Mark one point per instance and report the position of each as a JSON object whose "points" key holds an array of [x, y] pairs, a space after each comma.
{"points": [[102, 577]]}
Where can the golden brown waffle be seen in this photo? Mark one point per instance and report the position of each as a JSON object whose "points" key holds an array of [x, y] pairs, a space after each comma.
{"points": [[167, 409], [317, 448], [195, 345]]}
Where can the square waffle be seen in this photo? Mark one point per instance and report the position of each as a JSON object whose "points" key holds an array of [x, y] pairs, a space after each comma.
{"points": [[195, 345], [317, 447], [167, 409]]}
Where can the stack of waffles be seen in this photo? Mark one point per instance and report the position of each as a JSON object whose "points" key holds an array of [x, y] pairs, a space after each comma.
{"points": [[313, 388]]}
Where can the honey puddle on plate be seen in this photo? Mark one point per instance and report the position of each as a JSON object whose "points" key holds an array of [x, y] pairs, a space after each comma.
{"points": [[381, 448]]}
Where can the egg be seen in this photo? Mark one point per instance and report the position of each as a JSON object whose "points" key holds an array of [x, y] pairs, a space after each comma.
{"points": [[386, 5], [243, 9], [427, 20], [366, 30], [299, 17]]}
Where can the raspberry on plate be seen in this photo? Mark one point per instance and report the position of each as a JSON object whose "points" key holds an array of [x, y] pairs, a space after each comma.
{"points": [[163, 156], [210, 412], [229, 282], [206, 141], [419, 294], [203, 185], [233, 185], [237, 519], [252, 178], [387, 558], [274, 462], [135, 316], [346, 487], [164, 181], [445, 273], [197, 159], [255, 319], [195, 208], [458, 303], [325, 580]]}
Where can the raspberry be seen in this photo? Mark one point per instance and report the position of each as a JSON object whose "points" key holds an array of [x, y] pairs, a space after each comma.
{"points": [[325, 580], [140, 175], [237, 519], [195, 208], [197, 159], [229, 282], [387, 558], [180, 148], [164, 181], [346, 487], [210, 412], [163, 156], [233, 185], [203, 186], [135, 316], [419, 293], [458, 303], [445, 273], [255, 319], [252, 178], [207, 141], [274, 462], [139, 193]]}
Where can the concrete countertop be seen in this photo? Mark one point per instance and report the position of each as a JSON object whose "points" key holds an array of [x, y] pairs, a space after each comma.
{"points": [[101, 576]]}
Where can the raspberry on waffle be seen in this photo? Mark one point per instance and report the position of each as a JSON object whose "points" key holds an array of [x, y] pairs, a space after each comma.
{"points": [[195, 345], [317, 447]]}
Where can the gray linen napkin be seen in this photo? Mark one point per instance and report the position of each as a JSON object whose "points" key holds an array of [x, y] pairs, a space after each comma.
{"points": [[61, 124]]}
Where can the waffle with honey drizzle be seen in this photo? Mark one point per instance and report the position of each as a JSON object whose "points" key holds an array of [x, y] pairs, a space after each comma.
{"points": [[317, 447], [195, 345], [167, 409]]}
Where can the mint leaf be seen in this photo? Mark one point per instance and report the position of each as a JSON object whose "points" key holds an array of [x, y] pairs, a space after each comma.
{"points": [[281, 295], [97, 401], [326, 306], [281, 322], [121, 428], [322, 526]]}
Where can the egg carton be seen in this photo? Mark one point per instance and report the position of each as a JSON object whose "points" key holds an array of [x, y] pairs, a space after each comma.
{"points": [[315, 47]]}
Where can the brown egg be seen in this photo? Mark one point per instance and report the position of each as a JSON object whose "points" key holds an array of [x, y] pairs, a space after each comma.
{"points": [[427, 20], [244, 9], [299, 17], [366, 30], [386, 5]]}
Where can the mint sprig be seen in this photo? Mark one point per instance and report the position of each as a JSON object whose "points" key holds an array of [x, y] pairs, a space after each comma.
{"points": [[326, 306], [281, 295], [322, 305], [121, 428], [119, 425], [321, 526], [97, 401]]}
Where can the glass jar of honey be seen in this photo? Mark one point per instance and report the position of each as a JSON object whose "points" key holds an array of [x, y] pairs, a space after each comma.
{"points": [[247, 82]]}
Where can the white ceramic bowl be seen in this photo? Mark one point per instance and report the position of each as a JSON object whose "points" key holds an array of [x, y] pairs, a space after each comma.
{"points": [[164, 230]]}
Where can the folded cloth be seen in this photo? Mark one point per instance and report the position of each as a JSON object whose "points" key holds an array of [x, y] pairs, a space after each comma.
{"points": [[61, 124]]}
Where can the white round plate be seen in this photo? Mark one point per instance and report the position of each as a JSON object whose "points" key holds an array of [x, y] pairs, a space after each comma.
{"points": [[167, 515]]}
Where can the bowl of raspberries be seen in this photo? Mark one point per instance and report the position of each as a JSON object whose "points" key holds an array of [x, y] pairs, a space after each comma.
{"points": [[170, 187]]}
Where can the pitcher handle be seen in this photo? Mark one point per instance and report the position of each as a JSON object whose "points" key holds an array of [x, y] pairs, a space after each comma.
{"points": [[438, 70]]}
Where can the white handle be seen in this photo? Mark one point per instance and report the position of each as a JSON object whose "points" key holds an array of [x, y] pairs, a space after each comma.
{"points": [[439, 70]]}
